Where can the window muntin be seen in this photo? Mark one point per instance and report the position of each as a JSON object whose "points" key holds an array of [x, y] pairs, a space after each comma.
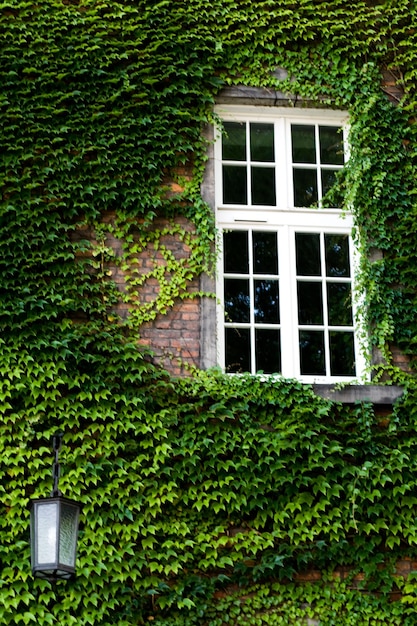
{"points": [[286, 275]]}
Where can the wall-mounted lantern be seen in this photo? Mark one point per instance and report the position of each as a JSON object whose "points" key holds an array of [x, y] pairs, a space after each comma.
{"points": [[54, 530]]}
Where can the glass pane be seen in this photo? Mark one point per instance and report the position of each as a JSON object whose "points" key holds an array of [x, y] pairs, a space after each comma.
{"points": [[262, 142], [312, 352], [265, 253], [237, 342], [307, 249], [337, 255], [236, 300], [263, 185], [234, 141], [339, 303], [47, 532], [268, 351], [310, 303], [303, 143], [328, 179], [331, 145], [342, 354], [68, 535], [305, 187], [234, 185], [236, 252], [266, 301]]}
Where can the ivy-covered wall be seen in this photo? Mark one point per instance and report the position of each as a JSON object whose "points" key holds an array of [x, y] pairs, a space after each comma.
{"points": [[205, 498]]}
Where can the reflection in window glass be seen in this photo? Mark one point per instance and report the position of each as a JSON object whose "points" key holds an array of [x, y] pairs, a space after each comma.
{"points": [[312, 360], [263, 186], [235, 188], [337, 255], [268, 351], [303, 143], [342, 354], [237, 300], [235, 251], [328, 179], [237, 353], [234, 141], [265, 253], [331, 145], [305, 187], [266, 305], [339, 304], [310, 303], [262, 142], [307, 250]]}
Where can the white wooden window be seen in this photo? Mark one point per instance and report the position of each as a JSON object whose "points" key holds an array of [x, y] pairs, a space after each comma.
{"points": [[286, 268]]}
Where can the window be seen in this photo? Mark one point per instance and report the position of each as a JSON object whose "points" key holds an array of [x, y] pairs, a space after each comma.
{"points": [[287, 263]]}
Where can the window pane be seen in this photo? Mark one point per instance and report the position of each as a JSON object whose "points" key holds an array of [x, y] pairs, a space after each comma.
{"points": [[312, 352], [236, 300], [331, 145], [328, 179], [263, 185], [262, 142], [237, 342], [236, 252], [305, 187], [307, 247], [337, 255], [303, 143], [234, 185], [310, 303], [265, 253], [234, 141], [339, 302], [342, 354], [268, 351], [266, 301]]}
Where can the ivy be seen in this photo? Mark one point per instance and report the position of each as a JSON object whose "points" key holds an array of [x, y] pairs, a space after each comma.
{"points": [[205, 499]]}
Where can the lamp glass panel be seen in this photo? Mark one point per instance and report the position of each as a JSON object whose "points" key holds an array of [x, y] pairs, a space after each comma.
{"points": [[68, 534], [46, 532]]}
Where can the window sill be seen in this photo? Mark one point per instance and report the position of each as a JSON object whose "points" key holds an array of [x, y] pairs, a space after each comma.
{"points": [[376, 394]]}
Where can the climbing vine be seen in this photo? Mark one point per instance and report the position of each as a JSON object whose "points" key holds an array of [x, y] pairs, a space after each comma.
{"points": [[203, 498]]}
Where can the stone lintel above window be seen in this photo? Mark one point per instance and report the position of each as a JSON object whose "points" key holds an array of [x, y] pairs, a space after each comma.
{"points": [[379, 395], [266, 96]]}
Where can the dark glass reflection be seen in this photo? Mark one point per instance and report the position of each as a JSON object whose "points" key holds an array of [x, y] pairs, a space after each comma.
{"points": [[339, 303], [263, 186], [305, 187], [307, 248], [312, 352], [310, 303], [337, 255], [266, 301], [265, 253], [331, 145], [268, 351], [236, 300], [342, 354], [236, 252], [328, 179], [262, 142], [234, 185], [237, 342], [303, 143], [234, 141]]}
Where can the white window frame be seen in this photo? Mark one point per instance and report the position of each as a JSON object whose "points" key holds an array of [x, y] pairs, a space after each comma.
{"points": [[286, 220]]}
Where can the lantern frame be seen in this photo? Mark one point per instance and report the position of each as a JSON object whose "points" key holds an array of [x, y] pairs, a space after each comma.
{"points": [[54, 531]]}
